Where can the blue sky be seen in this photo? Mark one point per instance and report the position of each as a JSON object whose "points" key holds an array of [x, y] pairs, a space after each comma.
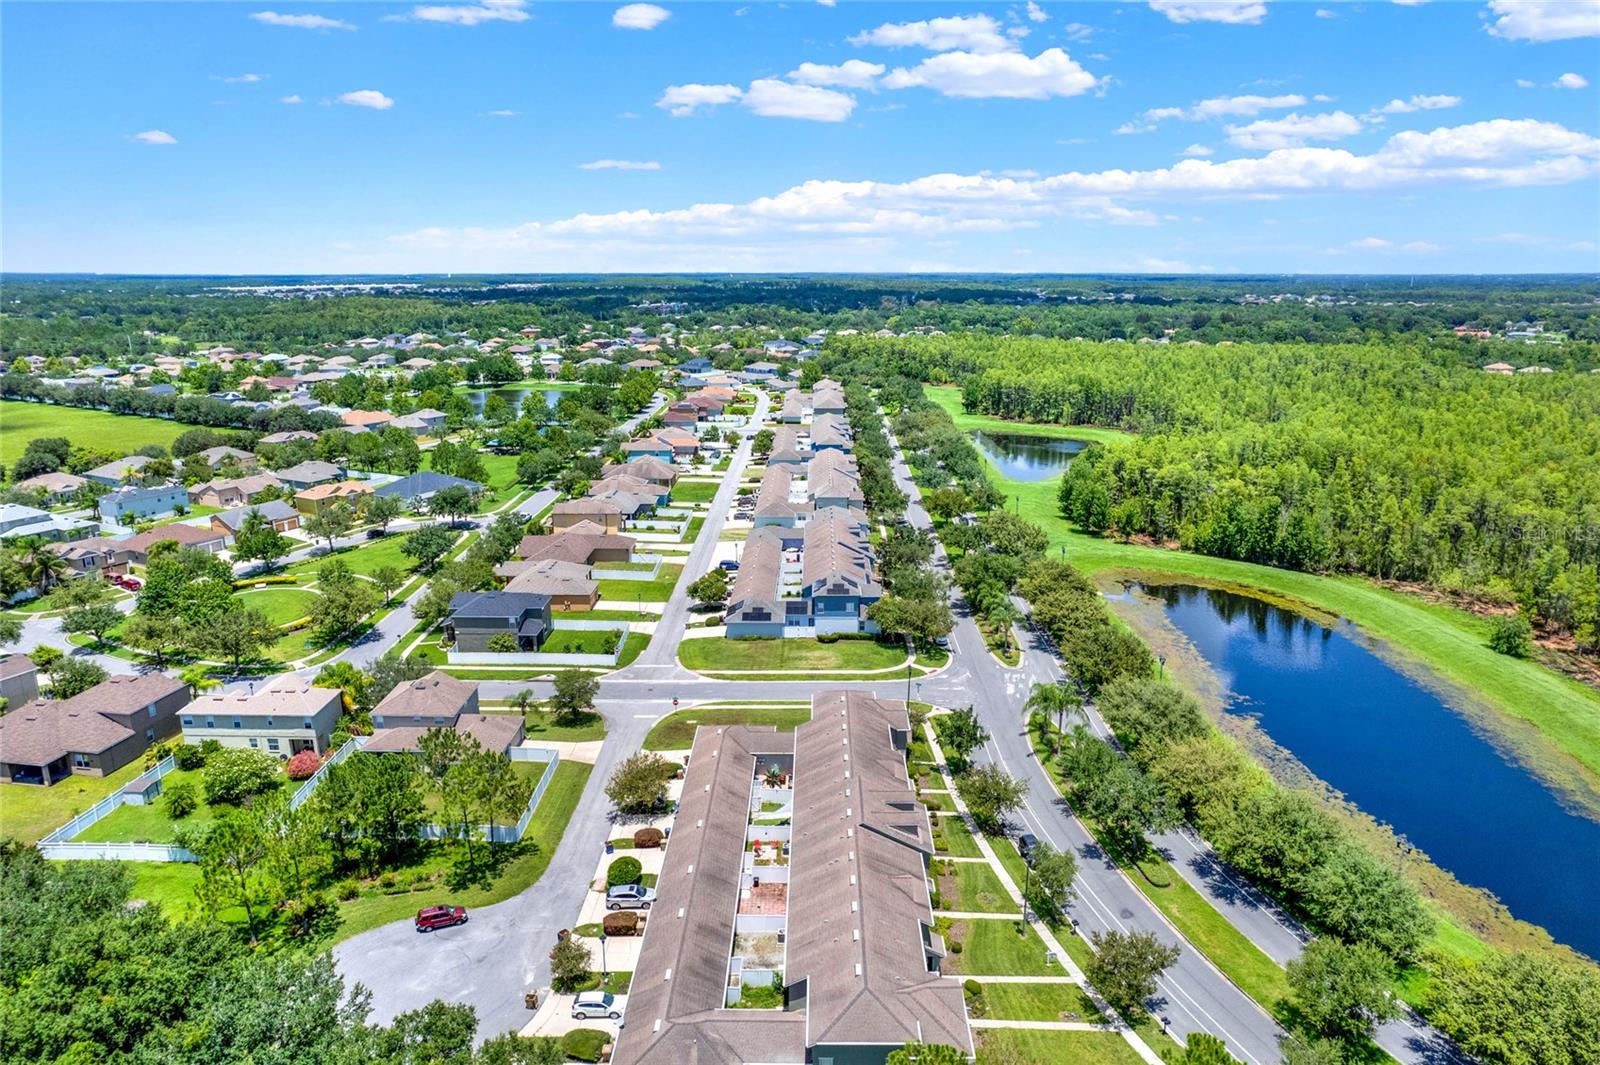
{"points": [[497, 135]]}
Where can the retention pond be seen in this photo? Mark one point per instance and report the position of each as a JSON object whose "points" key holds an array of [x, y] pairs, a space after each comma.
{"points": [[1026, 456]]}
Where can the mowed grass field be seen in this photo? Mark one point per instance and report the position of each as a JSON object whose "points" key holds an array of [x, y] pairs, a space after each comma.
{"points": [[120, 433], [1452, 644]]}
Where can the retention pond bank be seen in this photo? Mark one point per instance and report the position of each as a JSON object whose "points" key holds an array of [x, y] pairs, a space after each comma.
{"points": [[1397, 750]]}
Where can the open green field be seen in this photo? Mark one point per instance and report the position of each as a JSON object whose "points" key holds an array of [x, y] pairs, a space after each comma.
{"points": [[722, 654], [281, 605], [121, 434], [502, 469], [1451, 644], [996, 1045], [695, 491], [364, 560], [675, 732], [28, 812]]}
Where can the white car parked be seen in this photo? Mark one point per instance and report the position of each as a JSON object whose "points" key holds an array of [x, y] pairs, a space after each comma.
{"points": [[593, 1005]]}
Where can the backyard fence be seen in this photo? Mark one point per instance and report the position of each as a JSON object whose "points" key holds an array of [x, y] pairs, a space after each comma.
{"points": [[512, 833], [303, 792], [58, 844]]}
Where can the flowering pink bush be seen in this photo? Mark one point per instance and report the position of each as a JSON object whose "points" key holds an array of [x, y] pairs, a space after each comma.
{"points": [[303, 765]]}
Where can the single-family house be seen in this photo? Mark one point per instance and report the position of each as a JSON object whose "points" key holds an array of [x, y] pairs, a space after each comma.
{"points": [[58, 487], [19, 680], [17, 521], [306, 474], [231, 492], [135, 550], [320, 497], [366, 419], [682, 413], [94, 733], [568, 585], [276, 512], [113, 474], [477, 617], [286, 717], [425, 422], [648, 447], [137, 502], [438, 701], [604, 513], [653, 494], [288, 437], [420, 487], [584, 542], [653, 470], [218, 457]]}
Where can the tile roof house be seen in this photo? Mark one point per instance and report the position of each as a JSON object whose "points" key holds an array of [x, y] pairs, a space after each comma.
{"points": [[286, 717], [320, 497], [93, 733], [857, 956], [369, 419]]}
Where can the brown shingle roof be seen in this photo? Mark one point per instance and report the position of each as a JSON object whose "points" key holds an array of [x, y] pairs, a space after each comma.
{"points": [[436, 695], [45, 730], [576, 544]]}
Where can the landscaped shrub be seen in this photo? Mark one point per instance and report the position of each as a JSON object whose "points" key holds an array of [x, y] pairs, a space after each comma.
{"points": [[256, 582], [972, 988], [303, 766], [624, 870], [503, 643], [188, 756], [233, 774], [348, 889], [622, 923], [647, 838], [584, 1044], [156, 753], [828, 637], [180, 799]]}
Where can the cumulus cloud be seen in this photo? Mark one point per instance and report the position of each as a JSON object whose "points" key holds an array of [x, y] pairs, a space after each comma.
{"points": [[1417, 103], [367, 98], [1293, 130], [244, 79], [1545, 20], [301, 22], [1570, 80], [619, 164], [851, 74], [1036, 13], [1197, 151], [294, 99], [1233, 12], [1010, 75], [639, 16], [817, 221], [779, 99], [471, 14], [155, 136], [682, 100], [1215, 107], [969, 33]]}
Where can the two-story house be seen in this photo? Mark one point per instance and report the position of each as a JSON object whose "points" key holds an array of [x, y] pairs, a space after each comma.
{"points": [[91, 734], [288, 716]]}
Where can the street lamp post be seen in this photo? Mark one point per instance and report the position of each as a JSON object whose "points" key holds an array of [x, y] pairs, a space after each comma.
{"points": [[602, 961]]}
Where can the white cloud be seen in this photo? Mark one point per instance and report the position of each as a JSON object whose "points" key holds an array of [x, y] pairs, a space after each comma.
{"points": [[504, 112], [1323, 12], [472, 14], [1293, 130], [639, 16], [851, 74], [1197, 151], [1414, 247], [367, 98], [294, 99], [1233, 12], [1545, 20], [681, 100], [827, 3], [245, 79], [1524, 83], [1215, 107], [1036, 13], [971, 33], [155, 136], [1011, 75], [1570, 80], [1078, 31], [301, 22], [619, 164], [779, 99], [1417, 103], [1371, 243]]}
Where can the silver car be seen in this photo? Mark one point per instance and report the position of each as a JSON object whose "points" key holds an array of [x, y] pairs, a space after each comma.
{"points": [[596, 1004], [630, 897]]}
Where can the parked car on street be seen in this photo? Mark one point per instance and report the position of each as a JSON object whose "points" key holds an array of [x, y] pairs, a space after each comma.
{"points": [[728, 564], [433, 918], [1025, 844], [630, 897], [592, 1004]]}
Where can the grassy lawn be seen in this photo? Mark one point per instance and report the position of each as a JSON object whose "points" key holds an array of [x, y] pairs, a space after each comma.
{"points": [[675, 732], [694, 491], [798, 654], [541, 725], [531, 771], [623, 567], [1451, 643], [28, 812], [1037, 1002], [958, 841], [937, 801], [365, 560], [501, 469], [194, 510], [281, 605], [993, 947], [997, 1045], [1010, 860], [617, 594], [973, 887], [150, 824], [120, 434], [579, 642]]}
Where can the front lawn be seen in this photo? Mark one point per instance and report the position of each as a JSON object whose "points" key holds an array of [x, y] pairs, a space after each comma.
{"points": [[1035, 1002], [616, 594], [719, 654], [993, 946], [541, 725], [973, 887], [675, 732], [954, 838], [29, 812], [996, 1045], [581, 642], [695, 491]]}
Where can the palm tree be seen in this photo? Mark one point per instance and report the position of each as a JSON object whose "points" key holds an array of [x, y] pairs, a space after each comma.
{"points": [[1002, 615], [43, 566], [199, 678], [1059, 701]]}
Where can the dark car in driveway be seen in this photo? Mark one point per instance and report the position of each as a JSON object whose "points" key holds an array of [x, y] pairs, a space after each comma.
{"points": [[433, 918]]}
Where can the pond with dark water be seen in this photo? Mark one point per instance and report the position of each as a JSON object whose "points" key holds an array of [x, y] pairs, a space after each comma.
{"points": [[1399, 752], [1026, 456], [513, 396]]}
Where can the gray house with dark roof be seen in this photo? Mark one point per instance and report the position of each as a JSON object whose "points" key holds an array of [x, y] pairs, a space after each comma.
{"points": [[478, 617], [93, 733]]}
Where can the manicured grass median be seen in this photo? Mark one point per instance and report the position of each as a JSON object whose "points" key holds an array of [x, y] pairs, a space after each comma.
{"points": [[281, 605], [675, 732], [721, 654], [364, 560], [120, 434]]}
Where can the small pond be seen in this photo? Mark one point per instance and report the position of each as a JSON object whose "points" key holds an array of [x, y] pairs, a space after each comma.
{"points": [[513, 396], [1025, 456], [1398, 751]]}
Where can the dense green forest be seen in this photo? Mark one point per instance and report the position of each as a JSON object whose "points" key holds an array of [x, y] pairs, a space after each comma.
{"points": [[1391, 461], [109, 316]]}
